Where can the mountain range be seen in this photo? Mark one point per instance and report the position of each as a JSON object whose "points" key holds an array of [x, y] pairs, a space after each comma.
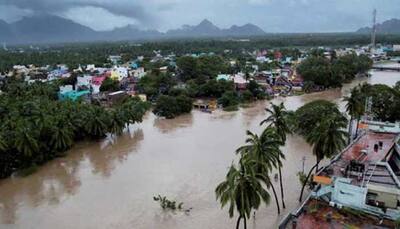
{"points": [[54, 29], [391, 26], [208, 29]]}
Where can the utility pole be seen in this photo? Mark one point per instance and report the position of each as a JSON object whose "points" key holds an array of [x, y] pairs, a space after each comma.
{"points": [[368, 108], [373, 31]]}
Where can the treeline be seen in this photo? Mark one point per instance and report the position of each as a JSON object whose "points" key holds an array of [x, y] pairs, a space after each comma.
{"points": [[35, 127], [321, 71], [97, 53]]}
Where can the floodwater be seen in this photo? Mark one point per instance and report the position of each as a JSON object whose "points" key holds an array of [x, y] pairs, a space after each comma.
{"points": [[111, 183]]}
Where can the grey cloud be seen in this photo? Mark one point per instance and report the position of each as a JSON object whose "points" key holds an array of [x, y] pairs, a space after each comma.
{"points": [[166, 7], [271, 15], [121, 8]]}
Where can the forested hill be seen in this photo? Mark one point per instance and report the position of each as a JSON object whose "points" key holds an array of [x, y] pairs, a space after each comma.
{"points": [[54, 29], [391, 26]]}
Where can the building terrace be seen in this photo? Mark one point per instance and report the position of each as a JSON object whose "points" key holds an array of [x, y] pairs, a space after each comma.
{"points": [[364, 153], [322, 216], [362, 179]]}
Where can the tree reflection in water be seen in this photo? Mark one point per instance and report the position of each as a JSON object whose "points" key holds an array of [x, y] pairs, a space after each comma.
{"points": [[169, 125], [59, 178]]}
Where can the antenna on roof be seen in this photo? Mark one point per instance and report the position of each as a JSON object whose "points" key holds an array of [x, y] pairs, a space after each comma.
{"points": [[368, 108], [373, 31]]}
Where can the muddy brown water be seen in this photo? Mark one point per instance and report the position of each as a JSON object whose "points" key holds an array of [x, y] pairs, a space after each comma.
{"points": [[110, 183]]}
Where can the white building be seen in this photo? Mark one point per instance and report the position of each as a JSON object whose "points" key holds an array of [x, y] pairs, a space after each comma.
{"points": [[114, 59], [90, 67], [118, 73], [138, 73], [261, 59], [84, 81], [66, 88]]}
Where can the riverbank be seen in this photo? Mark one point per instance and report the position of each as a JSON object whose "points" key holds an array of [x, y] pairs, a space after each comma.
{"points": [[110, 184]]}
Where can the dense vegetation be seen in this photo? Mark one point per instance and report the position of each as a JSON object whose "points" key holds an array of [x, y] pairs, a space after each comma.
{"points": [[110, 85], [35, 127], [196, 78], [318, 70], [170, 107], [202, 68], [97, 53], [385, 101]]}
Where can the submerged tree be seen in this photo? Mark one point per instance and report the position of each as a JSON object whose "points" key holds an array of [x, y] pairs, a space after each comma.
{"points": [[36, 127], [278, 119], [264, 150], [243, 190]]}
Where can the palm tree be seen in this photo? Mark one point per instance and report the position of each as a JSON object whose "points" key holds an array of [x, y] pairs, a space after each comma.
{"points": [[354, 107], [117, 122], [265, 150], [327, 138], [3, 144], [243, 190], [134, 109], [96, 122], [26, 141], [278, 119], [62, 136]]}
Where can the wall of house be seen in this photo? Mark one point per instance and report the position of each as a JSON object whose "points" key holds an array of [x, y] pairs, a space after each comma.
{"points": [[84, 81], [348, 194], [390, 200]]}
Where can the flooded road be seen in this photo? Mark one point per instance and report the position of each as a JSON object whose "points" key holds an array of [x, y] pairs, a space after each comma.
{"points": [[111, 183]]}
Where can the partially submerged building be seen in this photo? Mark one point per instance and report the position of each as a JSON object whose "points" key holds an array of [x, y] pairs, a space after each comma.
{"points": [[363, 178]]}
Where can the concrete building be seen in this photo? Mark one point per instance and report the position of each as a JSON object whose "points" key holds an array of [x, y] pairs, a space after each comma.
{"points": [[118, 73], [364, 177]]}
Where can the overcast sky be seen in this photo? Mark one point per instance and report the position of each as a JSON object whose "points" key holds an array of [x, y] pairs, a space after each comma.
{"points": [[270, 15]]}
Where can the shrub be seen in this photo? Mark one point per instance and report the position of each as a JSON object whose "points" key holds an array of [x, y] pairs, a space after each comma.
{"points": [[247, 96], [228, 99]]}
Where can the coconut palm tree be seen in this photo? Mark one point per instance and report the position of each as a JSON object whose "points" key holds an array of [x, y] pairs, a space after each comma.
{"points": [[327, 139], [96, 123], [3, 144], [134, 110], [265, 150], [117, 122], [278, 119], [243, 190], [354, 107], [26, 140], [62, 136]]}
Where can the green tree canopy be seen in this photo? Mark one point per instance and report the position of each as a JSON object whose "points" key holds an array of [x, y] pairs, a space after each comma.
{"points": [[170, 107], [110, 85]]}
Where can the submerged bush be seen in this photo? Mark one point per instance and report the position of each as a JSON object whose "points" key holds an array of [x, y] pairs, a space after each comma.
{"points": [[168, 204]]}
